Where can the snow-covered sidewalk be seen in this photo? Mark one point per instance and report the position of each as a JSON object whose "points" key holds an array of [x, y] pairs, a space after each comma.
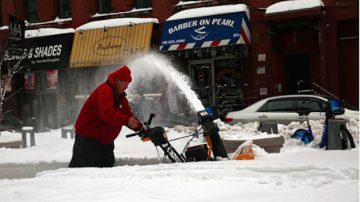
{"points": [[328, 176], [297, 173]]}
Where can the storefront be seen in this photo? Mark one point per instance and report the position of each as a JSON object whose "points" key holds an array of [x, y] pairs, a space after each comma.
{"points": [[312, 47], [43, 81], [101, 46], [213, 44]]}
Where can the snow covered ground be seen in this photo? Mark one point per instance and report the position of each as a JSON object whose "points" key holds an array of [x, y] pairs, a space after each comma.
{"points": [[297, 173]]}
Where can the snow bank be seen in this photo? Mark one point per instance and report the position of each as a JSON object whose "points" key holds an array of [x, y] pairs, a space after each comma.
{"points": [[50, 147], [312, 176]]}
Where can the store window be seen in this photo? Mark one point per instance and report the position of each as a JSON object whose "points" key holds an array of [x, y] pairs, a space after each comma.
{"points": [[142, 3], [228, 94], [104, 6], [31, 13], [65, 9], [29, 81], [1, 23]]}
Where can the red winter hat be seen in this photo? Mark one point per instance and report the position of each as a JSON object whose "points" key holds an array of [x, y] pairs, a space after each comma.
{"points": [[124, 74]]}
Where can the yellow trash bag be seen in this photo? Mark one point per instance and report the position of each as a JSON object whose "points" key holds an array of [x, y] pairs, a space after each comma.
{"points": [[244, 151]]}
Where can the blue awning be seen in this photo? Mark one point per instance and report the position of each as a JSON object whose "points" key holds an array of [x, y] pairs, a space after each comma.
{"points": [[219, 26]]}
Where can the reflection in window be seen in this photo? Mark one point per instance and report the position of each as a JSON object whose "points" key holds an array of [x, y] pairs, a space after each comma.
{"points": [[278, 106], [65, 9], [142, 3], [309, 105], [104, 6], [31, 12]]}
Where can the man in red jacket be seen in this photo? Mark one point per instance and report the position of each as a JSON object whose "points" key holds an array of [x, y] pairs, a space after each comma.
{"points": [[100, 121]]}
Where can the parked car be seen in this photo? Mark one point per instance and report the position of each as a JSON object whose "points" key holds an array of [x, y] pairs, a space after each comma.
{"points": [[284, 109]]}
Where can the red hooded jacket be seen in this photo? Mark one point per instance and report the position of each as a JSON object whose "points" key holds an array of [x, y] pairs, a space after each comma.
{"points": [[101, 118]]}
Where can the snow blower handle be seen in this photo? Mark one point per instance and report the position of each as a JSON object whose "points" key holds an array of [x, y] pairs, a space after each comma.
{"points": [[152, 115], [147, 124], [132, 135], [142, 130]]}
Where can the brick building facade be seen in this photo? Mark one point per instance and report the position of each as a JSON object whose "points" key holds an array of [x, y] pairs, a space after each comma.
{"points": [[318, 46]]}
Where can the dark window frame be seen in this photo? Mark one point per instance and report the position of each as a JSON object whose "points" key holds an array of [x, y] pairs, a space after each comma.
{"points": [[1, 22], [142, 4], [104, 6], [31, 11], [64, 9]]}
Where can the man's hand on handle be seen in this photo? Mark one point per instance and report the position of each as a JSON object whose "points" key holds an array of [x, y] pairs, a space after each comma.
{"points": [[134, 124]]}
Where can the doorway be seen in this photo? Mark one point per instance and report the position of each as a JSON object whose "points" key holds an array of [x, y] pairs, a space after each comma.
{"points": [[297, 68], [49, 110], [201, 72]]}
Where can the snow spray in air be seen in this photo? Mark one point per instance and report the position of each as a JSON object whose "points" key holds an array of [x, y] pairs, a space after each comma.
{"points": [[159, 88]]}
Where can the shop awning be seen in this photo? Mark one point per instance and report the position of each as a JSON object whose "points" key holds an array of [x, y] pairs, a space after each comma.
{"points": [[107, 42], [206, 27], [46, 48]]}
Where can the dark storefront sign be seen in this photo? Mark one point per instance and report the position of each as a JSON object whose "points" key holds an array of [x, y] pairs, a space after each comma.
{"points": [[16, 29], [15, 45], [42, 53], [207, 31]]}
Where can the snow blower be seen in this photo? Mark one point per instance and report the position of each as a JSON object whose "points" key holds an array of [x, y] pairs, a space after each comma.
{"points": [[212, 149]]}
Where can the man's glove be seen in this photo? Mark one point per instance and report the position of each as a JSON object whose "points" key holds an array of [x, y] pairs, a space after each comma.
{"points": [[135, 124]]}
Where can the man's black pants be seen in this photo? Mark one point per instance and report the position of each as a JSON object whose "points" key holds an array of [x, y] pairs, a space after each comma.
{"points": [[90, 153]]}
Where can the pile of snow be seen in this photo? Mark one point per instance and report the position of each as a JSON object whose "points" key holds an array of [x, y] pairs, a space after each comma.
{"points": [[50, 147]]}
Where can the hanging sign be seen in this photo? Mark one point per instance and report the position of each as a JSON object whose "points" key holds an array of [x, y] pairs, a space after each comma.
{"points": [[207, 31], [16, 29]]}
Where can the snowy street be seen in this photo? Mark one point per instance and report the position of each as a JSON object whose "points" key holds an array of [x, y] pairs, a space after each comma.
{"points": [[308, 176], [297, 173]]}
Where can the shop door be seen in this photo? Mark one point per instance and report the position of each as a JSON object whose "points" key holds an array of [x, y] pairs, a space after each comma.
{"points": [[296, 69], [202, 75], [49, 110]]}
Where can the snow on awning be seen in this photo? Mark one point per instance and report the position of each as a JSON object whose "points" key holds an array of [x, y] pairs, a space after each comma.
{"points": [[107, 42], [115, 23], [206, 27], [293, 5], [46, 32]]}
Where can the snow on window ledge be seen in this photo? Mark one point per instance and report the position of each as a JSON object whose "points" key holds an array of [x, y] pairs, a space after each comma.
{"points": [[293, 5], [134, 10]]}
